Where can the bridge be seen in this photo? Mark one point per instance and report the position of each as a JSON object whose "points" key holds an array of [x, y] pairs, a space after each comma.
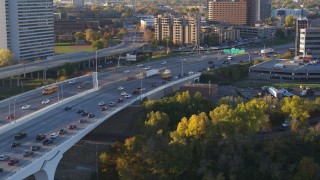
{"points": [[50, 118]]}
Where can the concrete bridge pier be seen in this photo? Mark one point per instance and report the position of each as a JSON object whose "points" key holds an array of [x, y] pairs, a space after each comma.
{"points": [[49, 168]]}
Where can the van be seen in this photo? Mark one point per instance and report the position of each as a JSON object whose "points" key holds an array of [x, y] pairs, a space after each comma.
{"points": [[230, 58]]}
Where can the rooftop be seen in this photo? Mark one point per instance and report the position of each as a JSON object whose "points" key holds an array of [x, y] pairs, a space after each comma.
{"points": [[288, 65]]}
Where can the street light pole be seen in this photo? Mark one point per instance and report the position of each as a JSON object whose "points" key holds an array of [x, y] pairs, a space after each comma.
{"points": [[96, 61], [14, 110]]}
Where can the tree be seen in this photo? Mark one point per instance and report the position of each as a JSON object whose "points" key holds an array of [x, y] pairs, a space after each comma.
{"points": [[98, 44], [90, 35], [290, 21], [122, 32], [79, 36], [307, 169], [5, 57]]}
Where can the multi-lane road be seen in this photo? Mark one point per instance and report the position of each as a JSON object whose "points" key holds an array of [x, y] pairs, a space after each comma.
{"points": [[58, 118]]}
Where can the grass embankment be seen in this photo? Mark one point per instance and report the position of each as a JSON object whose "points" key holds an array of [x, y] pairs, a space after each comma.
{"points": [[65, 48]]}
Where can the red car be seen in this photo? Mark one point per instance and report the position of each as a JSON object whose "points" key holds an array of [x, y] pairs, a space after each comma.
{"points": [[10, 116], [72, 126], [104, 108], [13, 162], [119, 100]]}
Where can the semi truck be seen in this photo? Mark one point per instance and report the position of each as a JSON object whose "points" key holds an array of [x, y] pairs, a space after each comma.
{"points": [[166, 74], [150, 73], [266, 51]]}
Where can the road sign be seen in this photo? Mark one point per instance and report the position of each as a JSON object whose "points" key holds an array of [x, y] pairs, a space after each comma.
{"points": [[234, 51]]}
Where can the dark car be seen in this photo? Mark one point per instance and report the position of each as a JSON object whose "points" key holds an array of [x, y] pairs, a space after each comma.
{"points": [[13, 162], [136, 92], [72, 126], [35, 148], [80, 110], [82, 120], [119, 100], [104, 108], [163, 82], [10, 116], [84, 113], [15, 144], [61, 131], [47, 142], [91, 115], [40, 137], [27, 154], [20, 135], [67, 108]]}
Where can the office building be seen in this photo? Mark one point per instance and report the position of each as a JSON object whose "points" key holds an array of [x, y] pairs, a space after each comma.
{"points": [[237, 12], [300, 24], [310, 42], [27, 28], [179, 30], [263, 9], [261, 32], [147, 23]]}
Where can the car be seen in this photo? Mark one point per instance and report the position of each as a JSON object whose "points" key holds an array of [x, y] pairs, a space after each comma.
{"points": [[72, 126], [128, 96], [131, 78], [123, 93], [27, 153], [3, 157], [71, 82], [136, 92], [91, 115], [67, 108], [139, 65], [40, 137], [15, 144], [164, 62], [61, 131], [82, 121], [119, 100], [35, 148], [126, 71], [20, 135], [120, 88], [147, 68], [13, 162], [85, 82], [102, 103], [46, 101], [204, 57], [111, 104], [163, 82], [79, 110], [84, 113], [104, 108], [54, 135], [286, 124], [27, 106], [191, 72], [47, 142], [80, 86], [11, 116], [230, 57], [153, 84]]}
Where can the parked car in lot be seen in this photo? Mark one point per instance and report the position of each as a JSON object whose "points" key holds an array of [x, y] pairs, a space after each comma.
{"points": [[91, 115], [47, 142], [27, 153], [84, 113], [20, 135], [102, 103], [15, 144], [4, 157], [119, 100], [72, 126], [111, 104], [79, 110], [40, 137], [35, 148], [13, 162], [82, 121]]}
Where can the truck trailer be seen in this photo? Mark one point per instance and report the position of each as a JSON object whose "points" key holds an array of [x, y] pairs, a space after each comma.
{"points": [[150, 73], [266, 51], [274, 92]]}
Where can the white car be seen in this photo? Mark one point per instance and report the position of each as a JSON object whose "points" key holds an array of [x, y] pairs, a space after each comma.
{"points": [[164, 62], [123, 93], [120, 88], [46, 101], [71, 82], [27, 106], [191, 72], [204, 57], [148, 67], [3, 157], [54, 135], [126, 71], [128, 96], [101, 103], [139, 65]]}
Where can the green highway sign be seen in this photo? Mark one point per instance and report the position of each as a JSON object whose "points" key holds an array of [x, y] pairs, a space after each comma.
{"points": [[234, 51]]}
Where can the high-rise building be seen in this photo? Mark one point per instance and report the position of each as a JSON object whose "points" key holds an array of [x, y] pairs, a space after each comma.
{"points": [[179, 30], [310, 41], [263, 9], [300, 24], [27, 28], [238, 12]]}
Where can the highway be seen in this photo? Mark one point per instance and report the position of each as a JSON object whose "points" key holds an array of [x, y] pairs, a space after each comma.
{"points": [[60, 119]]}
